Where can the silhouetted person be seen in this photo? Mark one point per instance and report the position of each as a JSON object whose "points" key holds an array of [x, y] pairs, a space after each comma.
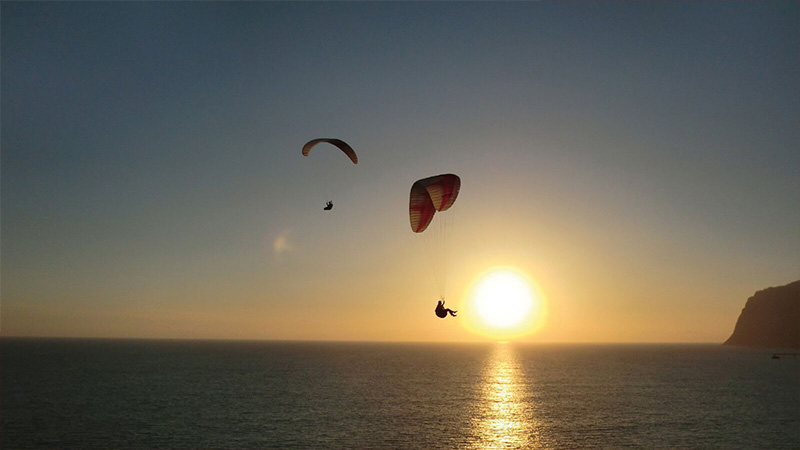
{"points": [[328, 206], [441, 311]]}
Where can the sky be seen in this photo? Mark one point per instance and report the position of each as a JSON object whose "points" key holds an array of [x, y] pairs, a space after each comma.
{"points": [[637, 161]]}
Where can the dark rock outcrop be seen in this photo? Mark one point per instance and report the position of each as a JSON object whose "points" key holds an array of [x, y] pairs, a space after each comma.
{"points": [[770, 318]]}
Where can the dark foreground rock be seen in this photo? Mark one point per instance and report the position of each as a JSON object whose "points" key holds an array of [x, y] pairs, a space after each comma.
{"points": [[770, 318]]}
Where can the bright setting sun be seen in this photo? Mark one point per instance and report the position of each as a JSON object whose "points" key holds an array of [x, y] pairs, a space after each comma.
{"points": [[505, 304], [502, 299]]}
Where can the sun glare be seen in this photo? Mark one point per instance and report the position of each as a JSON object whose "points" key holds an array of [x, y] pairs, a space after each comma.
{"points": [[502, 299], [505, 304]]}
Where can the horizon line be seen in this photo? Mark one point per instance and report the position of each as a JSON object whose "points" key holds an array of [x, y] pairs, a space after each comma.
{"points": [[357, 341]]}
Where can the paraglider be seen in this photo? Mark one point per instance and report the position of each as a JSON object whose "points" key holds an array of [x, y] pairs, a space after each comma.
{"points": [[338, 143], [429, 196]]}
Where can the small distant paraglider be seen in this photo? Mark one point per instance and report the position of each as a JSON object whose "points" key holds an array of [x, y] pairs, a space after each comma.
{"points": [[338, 143]]}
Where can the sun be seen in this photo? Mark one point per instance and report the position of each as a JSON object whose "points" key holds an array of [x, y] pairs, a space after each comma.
{"points": [[502, 299], [505, 303]]}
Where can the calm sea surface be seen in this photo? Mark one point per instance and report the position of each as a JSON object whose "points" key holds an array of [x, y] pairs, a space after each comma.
{"points": [[130, 394]]}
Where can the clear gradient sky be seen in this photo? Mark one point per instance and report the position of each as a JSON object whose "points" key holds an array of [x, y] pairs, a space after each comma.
{"points": [[638, 160]]}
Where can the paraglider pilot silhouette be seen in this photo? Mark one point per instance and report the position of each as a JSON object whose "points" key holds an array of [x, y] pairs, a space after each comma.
{"points": [[328, 206], [441, 311]]}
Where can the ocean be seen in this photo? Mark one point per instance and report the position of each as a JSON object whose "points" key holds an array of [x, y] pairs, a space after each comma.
{"points": [[181, 394]]}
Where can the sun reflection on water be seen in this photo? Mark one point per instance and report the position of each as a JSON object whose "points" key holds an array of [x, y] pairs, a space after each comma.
{"points": [[502, 421]]}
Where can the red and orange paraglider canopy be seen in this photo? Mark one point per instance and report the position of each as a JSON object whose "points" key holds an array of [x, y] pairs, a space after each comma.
{"points": [[430, 195]]}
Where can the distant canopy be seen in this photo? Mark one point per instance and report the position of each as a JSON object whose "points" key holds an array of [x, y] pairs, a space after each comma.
{"points": [[342, 145], [429, 195]]}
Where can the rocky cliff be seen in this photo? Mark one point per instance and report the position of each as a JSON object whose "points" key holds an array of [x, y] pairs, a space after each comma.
{"points": [[770, 318]]}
